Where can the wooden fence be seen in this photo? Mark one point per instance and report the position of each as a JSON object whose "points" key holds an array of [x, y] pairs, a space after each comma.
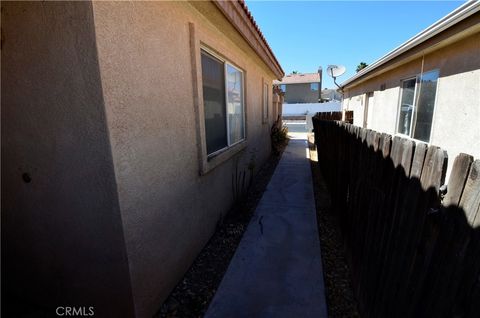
{"points": [[413, 245], [336, 116]]}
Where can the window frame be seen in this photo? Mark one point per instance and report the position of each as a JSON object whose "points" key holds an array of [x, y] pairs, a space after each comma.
{"points": [[265, 102], [229, 144], [210, 161], [417, 78]]}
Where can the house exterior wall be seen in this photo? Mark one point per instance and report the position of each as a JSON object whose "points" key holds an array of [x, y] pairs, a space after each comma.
{"points": [[107, 124], [169, 211], [62, 236], [300, 93], [331, 94], [456, 118]]}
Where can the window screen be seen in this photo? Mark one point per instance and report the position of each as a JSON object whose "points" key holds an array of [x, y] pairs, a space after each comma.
{"points": [[214, 103], [425, 105], [265, 102], [406, 106], [417, 104], [235, 104]]}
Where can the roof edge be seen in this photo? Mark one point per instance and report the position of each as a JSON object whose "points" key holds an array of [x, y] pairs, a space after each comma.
{"points": [[240, 17], [464, 11]]}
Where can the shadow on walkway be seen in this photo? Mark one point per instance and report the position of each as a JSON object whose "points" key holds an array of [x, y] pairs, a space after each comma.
{"points": [[277, 268]]}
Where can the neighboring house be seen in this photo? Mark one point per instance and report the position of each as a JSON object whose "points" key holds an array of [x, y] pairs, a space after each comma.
{"points": [[123, 124], [300, 88], [329, 94], [428, 88], [302, 95]]}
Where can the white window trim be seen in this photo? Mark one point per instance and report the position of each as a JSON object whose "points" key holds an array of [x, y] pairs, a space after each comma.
{"points": [[414, 118], [399, 105]]}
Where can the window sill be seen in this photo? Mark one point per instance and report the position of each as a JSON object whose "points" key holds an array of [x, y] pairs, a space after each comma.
{"points": [[210, 163]]}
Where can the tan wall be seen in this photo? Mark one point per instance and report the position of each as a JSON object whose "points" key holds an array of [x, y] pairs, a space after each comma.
{"points": [[62, 238], [301, 93], [456, 118], [168, 210], [99, 108]]}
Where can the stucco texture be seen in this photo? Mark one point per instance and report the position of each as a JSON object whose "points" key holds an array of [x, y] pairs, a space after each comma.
{"points": [[169, 210], [62, 237], [99, 108], [456, 118]]}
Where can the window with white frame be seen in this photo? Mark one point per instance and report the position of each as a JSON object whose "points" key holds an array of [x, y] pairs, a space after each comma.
{"points": [[283, 87], [265, 102], [223, 102], [417, 103], [314, 86]]}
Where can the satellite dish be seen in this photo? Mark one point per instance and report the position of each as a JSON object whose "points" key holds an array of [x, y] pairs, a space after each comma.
{"points": [[335, 70]]}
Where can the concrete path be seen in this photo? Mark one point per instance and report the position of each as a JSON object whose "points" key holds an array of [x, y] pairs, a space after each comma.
{"points": [[277, 268]]}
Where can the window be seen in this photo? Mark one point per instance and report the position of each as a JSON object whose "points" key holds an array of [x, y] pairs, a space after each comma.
{"points": [[406, 106], [283, 87], [417, 102], [223, 103], [314, 86], [265, 102]]}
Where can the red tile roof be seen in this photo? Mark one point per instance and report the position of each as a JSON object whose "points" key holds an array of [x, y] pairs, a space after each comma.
{"points": [[299, 78], [241, 18], [257, 28]]}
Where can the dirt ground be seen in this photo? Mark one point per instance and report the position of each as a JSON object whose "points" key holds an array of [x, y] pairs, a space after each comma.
{"points": [[341, 301]]}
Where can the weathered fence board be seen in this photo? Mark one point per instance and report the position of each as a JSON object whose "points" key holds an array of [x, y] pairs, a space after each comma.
{"points": [[444, 256], [412, 253]]}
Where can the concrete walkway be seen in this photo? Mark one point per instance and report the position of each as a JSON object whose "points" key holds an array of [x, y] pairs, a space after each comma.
{"points": [[277, 268]]}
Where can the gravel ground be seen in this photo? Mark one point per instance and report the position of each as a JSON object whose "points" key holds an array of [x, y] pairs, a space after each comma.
{"points": [[341, 301], [193, 294]]}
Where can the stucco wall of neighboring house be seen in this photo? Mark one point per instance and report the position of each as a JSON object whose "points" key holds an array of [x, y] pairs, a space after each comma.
{"points": [[456, 121], [169, 211], [300, 93], [62, 238]]}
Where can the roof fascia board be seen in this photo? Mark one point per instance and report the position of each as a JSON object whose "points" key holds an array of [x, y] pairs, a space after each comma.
{"points": [[237, 16]]}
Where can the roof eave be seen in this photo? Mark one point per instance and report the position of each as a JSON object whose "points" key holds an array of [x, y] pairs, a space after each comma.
{"points": [[456, 16], [237, 13]]}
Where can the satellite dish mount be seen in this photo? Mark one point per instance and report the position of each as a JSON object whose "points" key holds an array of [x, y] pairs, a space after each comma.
{"points": [[335, 71]]}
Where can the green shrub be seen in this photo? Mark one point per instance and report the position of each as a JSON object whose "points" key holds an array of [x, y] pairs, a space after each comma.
{"points": [[279, 136]]}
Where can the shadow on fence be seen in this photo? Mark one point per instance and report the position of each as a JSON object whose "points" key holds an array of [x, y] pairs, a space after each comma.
{"points": [[413, 245]]}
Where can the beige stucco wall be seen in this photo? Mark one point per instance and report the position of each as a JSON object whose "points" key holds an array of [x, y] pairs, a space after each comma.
{"points": [[98, 106], [62, 237], [456, 121], [168, 210]]}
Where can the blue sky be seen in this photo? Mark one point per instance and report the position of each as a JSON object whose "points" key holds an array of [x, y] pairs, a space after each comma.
{"points": [[307, 34]]}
